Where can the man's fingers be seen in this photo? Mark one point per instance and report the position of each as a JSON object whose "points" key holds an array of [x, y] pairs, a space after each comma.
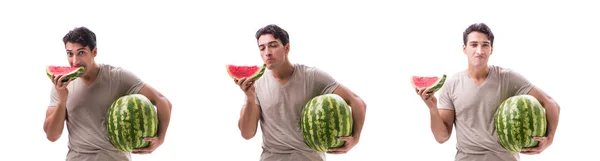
{"points": [[530, 152], [62, 78], [336, 149], [68, 82], [247, 82], [141, 152], [248, 88], [337, 152], [349, 138], [340, 150], [239, 82], [424, 94], [540, 138], [55, 79]]}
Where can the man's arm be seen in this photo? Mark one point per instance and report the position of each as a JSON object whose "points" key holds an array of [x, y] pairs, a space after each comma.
{"points": [[359, 109], [441, 124], [249, 116], [131, 84], [442, 114], [56, 114], [325, 84], [552, 110], [163, 107], [55, 121], [520, 85]]}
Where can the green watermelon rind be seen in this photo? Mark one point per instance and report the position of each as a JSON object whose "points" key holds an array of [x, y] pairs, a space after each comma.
{"points": [[119, 125], [254, 77], [530, 119], [320, 133], [70, 76], [434, 88]]}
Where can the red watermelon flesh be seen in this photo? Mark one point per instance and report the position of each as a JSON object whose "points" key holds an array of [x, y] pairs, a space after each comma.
{"points": [[71, 72], [432, 83], [251, 72]]}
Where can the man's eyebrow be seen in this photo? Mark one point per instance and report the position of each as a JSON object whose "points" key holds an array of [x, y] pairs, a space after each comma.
{"points": [[473, 42], [270, 42], [77, 49]]}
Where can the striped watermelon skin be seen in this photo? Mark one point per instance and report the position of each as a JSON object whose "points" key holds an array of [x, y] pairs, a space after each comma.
{"points": [[324, 119], [518, 120], [130, 119]]}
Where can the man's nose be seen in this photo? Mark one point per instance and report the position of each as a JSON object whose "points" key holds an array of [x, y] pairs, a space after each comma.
{"points": [[478, 50], [268, 52], [74, 60]]}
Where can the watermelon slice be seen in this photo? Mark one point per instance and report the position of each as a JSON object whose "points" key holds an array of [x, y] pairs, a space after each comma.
{"points": [[71, 72], [431, 83], [239, 71]]}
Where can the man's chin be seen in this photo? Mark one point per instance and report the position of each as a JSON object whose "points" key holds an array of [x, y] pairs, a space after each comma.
{"points": [[270, 66]]}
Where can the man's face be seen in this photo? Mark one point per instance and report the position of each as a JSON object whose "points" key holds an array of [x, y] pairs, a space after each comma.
{"points": [[79, 55], [478, 49], [272, 51]]}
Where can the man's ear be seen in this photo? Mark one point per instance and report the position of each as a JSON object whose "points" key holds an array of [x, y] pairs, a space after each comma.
{"points": [[287, 48], [95, 52]]}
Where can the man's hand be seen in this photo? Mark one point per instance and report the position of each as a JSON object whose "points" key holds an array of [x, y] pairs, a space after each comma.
{"points": [[544, 142], [350, 142], [247, 85], [61, 86], [155, 142], [428, 98]]}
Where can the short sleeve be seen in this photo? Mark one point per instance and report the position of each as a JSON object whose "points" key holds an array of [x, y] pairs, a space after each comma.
{"points": [[324, 82], [53, 97], [256, 99], [445, 101], [517, 83], [129, 82]]}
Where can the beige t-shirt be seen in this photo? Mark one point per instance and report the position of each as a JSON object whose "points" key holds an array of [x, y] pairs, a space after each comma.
{"points": [[475, 107], [86, 113], [282, 105]]}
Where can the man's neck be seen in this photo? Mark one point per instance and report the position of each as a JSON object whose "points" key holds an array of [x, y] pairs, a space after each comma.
{"points": [[90, 77], [478, 73], [284, 72]]}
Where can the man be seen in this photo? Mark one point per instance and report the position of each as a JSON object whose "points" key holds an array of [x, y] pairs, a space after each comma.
{"points": [[470, 98], [83, 103], [277, 99]]}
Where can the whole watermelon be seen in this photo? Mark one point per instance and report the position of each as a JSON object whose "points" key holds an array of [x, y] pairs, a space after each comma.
{"points": [[518, 120], [130, 119], [324, 119]]}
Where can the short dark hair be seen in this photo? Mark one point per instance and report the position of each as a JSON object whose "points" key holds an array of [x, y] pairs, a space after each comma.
{"points": [[479, 27], [83, 36], [276, 31]]}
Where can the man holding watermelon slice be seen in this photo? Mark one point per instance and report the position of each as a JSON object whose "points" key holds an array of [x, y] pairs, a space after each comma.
{"points": [[277, 98], [82, 103], [469, 99]]}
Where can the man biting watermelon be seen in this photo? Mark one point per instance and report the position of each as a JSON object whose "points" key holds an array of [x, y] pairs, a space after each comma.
{"points": [[469, 99], [277, 98], [83, 102]]}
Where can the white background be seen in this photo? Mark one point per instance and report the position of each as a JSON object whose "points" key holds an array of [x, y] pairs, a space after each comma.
{"points": [[180, 48]]}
